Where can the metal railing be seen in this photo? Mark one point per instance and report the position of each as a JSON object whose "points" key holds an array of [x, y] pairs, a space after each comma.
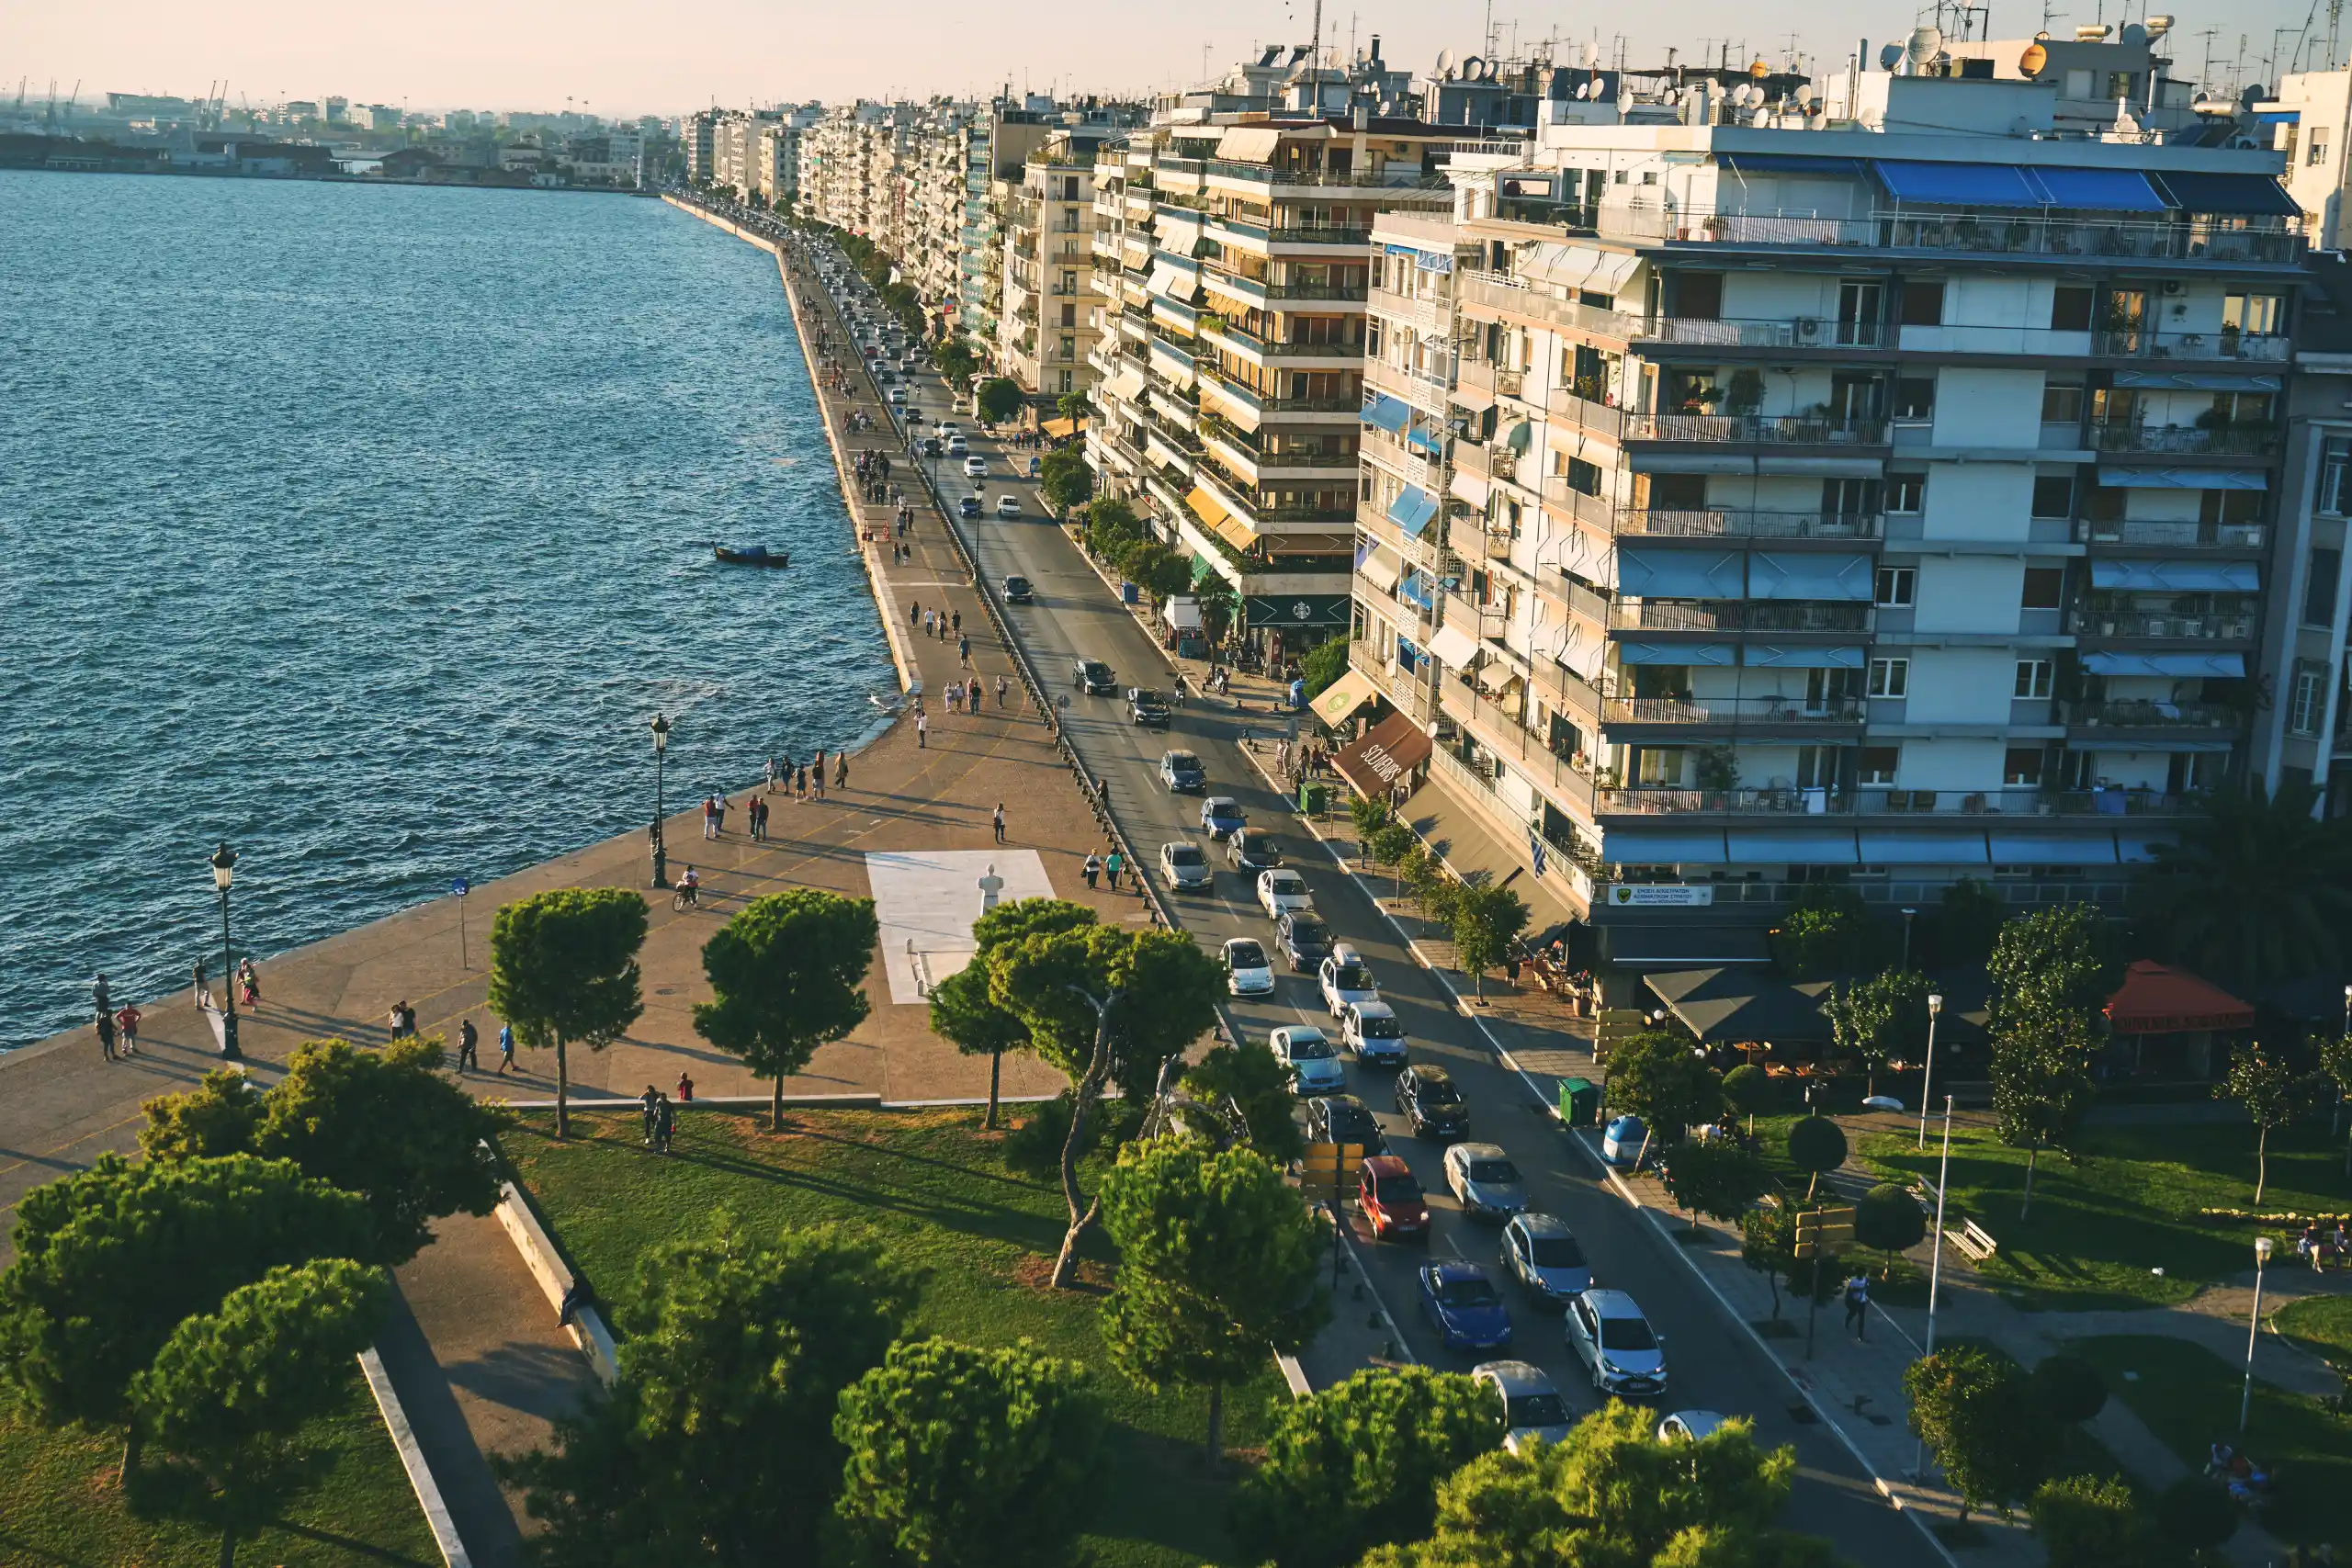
{"points": [[1737, 615], [1495, 291], [2137, 342], [1782, 429], [2149, 715], [2207, 625], [1790, 332], [1751, 712], [1716, 523], [1389, 176], [2173, 536], [2220, 440], [1649, 800], [2200, 239]]}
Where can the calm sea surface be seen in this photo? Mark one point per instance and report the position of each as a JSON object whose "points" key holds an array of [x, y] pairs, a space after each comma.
{"points": [[366, 528]]}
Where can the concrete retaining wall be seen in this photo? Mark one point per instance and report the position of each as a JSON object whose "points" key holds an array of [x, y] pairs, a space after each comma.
{"points": [[561, 1286], [420, 1474]]}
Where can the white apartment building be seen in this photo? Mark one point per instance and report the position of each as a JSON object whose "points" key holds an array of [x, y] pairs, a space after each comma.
{"points": [[1876, 488], [1050, 316]]}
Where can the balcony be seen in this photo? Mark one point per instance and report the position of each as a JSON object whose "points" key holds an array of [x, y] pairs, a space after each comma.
{"points": [[1640, 223], [2137, 342], [1757, 429], [1502, 294], [1251, 343], [2173, 626], [1734, 523], [2197, 440], [1751, 713], [1737, 615], [2136, 533], [1271, 403], [1792, 332], [1388, 176], [2154, 715], [1648, 800]]}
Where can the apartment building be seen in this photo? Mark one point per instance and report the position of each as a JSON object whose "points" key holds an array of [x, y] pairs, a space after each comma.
{"points": [[699, 132], [1050, 317], [1872, 485]]}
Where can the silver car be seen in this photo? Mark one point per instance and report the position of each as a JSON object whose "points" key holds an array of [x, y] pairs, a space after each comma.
{"points": [[1483, 1181], [1533, 1411], [1616, 1343], [1182, 865], [1542, 1253]]}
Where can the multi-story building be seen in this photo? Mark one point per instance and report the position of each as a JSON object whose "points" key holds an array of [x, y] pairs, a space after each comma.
{"points": [[700, 135], [774, 170], [1050, 317], [1870, 487]]}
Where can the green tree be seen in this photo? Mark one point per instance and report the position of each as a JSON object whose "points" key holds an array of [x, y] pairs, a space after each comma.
{"points": [[1217, 1263], [1821, 935], [1156, 570], [961, 1008], [1659, 1076], [1368, 814], [215, 1118], [2042, 1080], [1817, 1145], [2258, 887], [1064, 480], [1889, 1220], [2057, 958], [2069, 1389], [716, 1443], [1880, 1019], [1324, 663], [1486, 920], [1074, 406], [110, 1261], [1110, 527], [564, 971], [786, 975], [1968, 923], [1358, 1465], [230, 1389], [961, 1458], [1975, 1409], [1716, 1177], [1248, 1078], [2336, 1069], [1392, 842], [956, 361], [1768, 1241], [2084, 1521], [998, 400], [1746, 1090], [2271, 1093]]}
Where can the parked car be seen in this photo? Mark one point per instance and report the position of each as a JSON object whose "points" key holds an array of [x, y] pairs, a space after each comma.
{"points": [[1008, 506], [1280, 892], [1310, 1059], [1690, 1425], [1018, 590], [1344, 1119], [1391, 1199], [1343, 979], [1543, 1254], [1181, 773], [1247, 971], [976, 467], [1304, 939], [1147, 707], [1373, 1033], [1220, 815], [1094, 678], [1181, 865], [1482, 1178], [1616, 1344], [1533, 1411], [1431, 1102], [1251, 850], [969, 507], [1464, 1306]]}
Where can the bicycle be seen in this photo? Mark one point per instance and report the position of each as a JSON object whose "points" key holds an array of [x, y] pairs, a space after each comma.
{"points": [[685, 898]]}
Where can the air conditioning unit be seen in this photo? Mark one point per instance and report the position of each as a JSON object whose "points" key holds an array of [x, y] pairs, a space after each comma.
{"points": [[1808, 328], [2172, 285]]}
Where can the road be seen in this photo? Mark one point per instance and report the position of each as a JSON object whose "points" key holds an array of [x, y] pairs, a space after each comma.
{"points": [[1712, 1365]]}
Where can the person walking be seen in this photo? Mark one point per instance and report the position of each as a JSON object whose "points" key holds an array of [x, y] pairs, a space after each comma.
{"points": [[249, 984], [922, 731], [664, 1123], [801, 783], [648, 1103], [959, 619], [1093, 868], [1112, 863], [126, 1023], [963, 650], [203, 985], [468, 1042], [105, 1035], [1857, 1303], [816, 774], [505, 1049], [996, 820], [841, 770], [721, 829]]}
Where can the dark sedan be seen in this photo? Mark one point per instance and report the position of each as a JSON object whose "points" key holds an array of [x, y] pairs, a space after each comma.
{"points": [[1306, 941], [1344, 1119], [1251, 850], [1018, 590], [1431, 1102], [1147, 707]]}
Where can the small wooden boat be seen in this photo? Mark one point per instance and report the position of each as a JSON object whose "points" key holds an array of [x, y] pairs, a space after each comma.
{"points": [[751, 554]]}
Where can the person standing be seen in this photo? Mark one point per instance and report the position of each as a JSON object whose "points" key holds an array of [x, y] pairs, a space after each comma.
{"points": [[98, 999], [686, 1089], [505, 1049], [816, 774], [710, 818], [203, 987], [249, 982], [770, 775], [801, 783], [720, 830], [996, 820], [126, 1023], [1000, 694], [841, 770], [922, 732], [1857, 1303], [664, 1123], [1111, 865], [468, 1042], [105, 1035], [1092, 869]]}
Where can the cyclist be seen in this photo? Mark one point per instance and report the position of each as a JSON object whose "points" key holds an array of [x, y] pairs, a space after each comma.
{"points": [[688, 889]]}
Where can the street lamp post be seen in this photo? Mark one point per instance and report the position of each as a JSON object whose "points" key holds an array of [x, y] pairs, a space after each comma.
{"points": [[1928, 1073], [1907, 917], [224, 866], [1936, 1269], [2262, 1246], [661, 755]]}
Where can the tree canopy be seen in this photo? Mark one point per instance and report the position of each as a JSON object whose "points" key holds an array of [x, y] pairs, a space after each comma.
{"points": [[2055, 958], [1324, 663], [1976, 1410], [997, 399], [2258, 887], [1248, 1077], [2271, 1093], [1659, 1076], [2042, 1080], [1880, 1019], [785, 974], [1486, 919], [564, 971], [1716, 1176], [1064, 480]]}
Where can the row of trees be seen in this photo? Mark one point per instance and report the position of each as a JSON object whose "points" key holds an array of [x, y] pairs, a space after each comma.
{"points": [[1483, 918]]}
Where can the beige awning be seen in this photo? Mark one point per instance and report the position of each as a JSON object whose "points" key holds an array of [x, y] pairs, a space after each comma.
{"points": [[1126, 385], [1472, 487], [1059, 427], [1344, 695], [1249, 143], [1382, 569], [1237, 532], [1457, 648], [1578, 266], [1207, 508]]}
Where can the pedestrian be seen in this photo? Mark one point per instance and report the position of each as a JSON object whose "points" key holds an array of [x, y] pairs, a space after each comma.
{"points": [[710, 818], [686, 1089], [105, 1035], [915, 613], [721, 826], [817, 774], [1857, 1303], [963, 650], [203, 987], [468, 1042], [505, 1049], [1092, 869], [801, 783], [922, 732], [1111, 865], [770, 775], [999, 692], [98, 999], [841, 770], [126, 1023], [959, 619], [648, 1111], [997, 821], [664, 1123]]}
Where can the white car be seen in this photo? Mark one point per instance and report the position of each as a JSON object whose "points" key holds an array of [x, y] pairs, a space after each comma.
{"points": [[1247, 971], [1690, 1425], [1283, 893], [949, 427], [957, 446], [1344, 980], [898, 396], [1373, 1032], [976, 467], [1313, 1061], [1008, 506], [1182, 865], [1533, 1411], [1616, 1344]]}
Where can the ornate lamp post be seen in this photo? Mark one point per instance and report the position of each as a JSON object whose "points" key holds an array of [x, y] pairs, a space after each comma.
{"points": [[2262, 1246], [1928, 1073], [661, 754], [224, 866]]}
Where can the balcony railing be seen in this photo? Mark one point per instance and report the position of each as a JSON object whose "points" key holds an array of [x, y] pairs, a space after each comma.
{"points": [[1793, 331], [1731, 523], [1318, 235], [1781, 429], [1647, 800], [2174, 535], [2197, 240], [1737, 615], [2207, 625], [2135, 343], [2221, 440], [2145, 715], [1751, 712], [1389, 176], [1497, 292]]}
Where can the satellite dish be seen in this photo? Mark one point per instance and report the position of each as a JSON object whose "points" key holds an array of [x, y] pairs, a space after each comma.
{"points": [[1471, 66], [1445, 63], [1804, 96], [2032, 61], [1591, 54], [1926, 43], [1584, 89], [1890, 56], [2134, 33]]}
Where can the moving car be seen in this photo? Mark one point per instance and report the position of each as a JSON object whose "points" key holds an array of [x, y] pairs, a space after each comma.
{"points": [[1343, 979], [1464, 1306], [949, 427], [1182, 772], [898, 396], [1247, 972], [1220, 815], [1280, 892], [1533, 1411], [969, 507], [1484, 1181], [1373, 1033], [1302, 939], [1008, 506], [1391, 1200], [1543, 1254], [1093, 677], [1147, 707], [1614, 1340], [1344, 1119], [1251, 851], [956, 447], [931, 447], [1018, 590], [1182, 865], [976, 467], [1431, 1102], [1312, 1061], [1690, 1425]]}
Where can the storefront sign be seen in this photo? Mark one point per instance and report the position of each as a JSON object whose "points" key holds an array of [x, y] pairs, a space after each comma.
{"points": [[1659, 896], [1296, 610]]}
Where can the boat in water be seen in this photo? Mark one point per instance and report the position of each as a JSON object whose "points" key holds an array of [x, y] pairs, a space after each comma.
{"points": [[751, 554]]}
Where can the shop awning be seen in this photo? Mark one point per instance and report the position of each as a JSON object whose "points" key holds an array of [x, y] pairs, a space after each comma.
{"points": [[1392, 414], [1787, 574], [2184, 479], [1393, 749], [1295, 610], [1923, 846], [1800, 846], [1206, 507], [1412, 510], [1685, 947], [1957, 184], [1059, 427], [1649, 571], [1457, 648], [2247, 195], [1381, 570], [2052, 849], [1344, 695], [2176, 665], [2177, 576], [1663, 846], [1766, 656], [1712, 653], [2196, 381], [2154, 1000], [2097, 190], [1722, 1006]]}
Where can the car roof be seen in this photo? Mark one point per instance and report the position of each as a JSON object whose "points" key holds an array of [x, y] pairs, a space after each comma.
{"points": [[1179, 756], [1234, 942], [1478, 1151], [1346, 954], [1385, 1165], [1426, 1072], [1457, 1269], [1533, 1224], [1514, 1377], [1280, 872], [1216, 800], [1343, 1099], [1300, 1031], [1611, 1303], [1376, 1009]]}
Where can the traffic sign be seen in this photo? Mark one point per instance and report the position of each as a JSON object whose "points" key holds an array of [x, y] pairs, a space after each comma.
{"points": [[460, 886], [1327, 1173], [1821, 1231]]}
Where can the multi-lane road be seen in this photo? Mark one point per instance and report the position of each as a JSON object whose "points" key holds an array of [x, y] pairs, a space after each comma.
{"points": [[1711, 1364]]}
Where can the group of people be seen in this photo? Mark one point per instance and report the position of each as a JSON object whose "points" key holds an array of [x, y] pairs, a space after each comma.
{"points": [[971, 697], [118, 1026], [2319, 1248], [1111, 866]]}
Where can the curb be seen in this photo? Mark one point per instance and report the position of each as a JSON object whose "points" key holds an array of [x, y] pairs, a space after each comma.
{"points": [[420, 1474], [561, 1286]]}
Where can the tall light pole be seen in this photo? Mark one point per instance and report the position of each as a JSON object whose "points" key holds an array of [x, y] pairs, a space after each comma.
{"points": [[224, 866], [2262, 1245], [1936, 1269], [661, 755], [1928, 1073], [1907, 917]]}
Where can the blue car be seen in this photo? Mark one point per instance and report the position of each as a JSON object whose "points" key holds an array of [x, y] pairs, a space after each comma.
{"points": [[1464, 1306], [1220, 815]]}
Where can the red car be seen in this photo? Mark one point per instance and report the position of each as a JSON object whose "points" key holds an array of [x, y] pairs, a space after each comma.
{"points": [[1391, 1199]]}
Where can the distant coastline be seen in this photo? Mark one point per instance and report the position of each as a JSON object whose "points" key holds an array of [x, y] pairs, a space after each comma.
{"points": [[255, 160]]}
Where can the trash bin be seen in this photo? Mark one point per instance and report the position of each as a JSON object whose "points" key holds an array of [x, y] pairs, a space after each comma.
{"points": [[1313, 796], [1621, 1145], [1128, 594], [1579, 1101]]}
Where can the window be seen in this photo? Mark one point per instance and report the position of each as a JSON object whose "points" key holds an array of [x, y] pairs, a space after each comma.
{"points": [[2062, 402], [1923, 303], [2335, 471], [1583, 477], [2021, 764], [1889, 678], [2307, 699], [2318, 147], [2044, 587], [2319, 589], [2260, 314], [1069, 315], [1698, 295], [2033, 679], [1914, 397], [1878, 764], [1896, 584], [1906, 494], [1069, 348], [2070, 308], [2053, 495], [2230, 506]]}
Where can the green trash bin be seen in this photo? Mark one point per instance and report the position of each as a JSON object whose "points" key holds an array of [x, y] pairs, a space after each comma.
{"points": [[1579, 1101], [1313, 795]]}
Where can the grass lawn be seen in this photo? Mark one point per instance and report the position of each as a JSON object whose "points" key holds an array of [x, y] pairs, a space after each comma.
{"points": [[935, 1190], [2101, 1228], [60, 1507], [2188, 1397], [2322, 1324]]}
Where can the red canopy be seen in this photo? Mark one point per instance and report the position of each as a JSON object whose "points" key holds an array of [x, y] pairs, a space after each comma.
{"points": [[2154, 999]]}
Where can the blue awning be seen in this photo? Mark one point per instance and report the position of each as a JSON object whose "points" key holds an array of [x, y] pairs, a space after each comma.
{"points": [[2175, 666], [1432, 445], [2277, 117], [2080, 848], [2097, 190], [2184, 479], [1957, 184], [1663, 846], [1649, 571], [2244, 196], [1766, 656], [2177, 576], [1787, 163], [1792, 575], [1392, 414], [1710, 653], [1412, 510], [1923, 846], [1416, 590], [1800, 846]]}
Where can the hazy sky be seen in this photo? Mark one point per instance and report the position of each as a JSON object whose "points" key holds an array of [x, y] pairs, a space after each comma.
{"points": [[618, 56]]}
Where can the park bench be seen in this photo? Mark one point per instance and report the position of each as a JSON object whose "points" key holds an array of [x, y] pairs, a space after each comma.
{"points": [[1975, 1240]]}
